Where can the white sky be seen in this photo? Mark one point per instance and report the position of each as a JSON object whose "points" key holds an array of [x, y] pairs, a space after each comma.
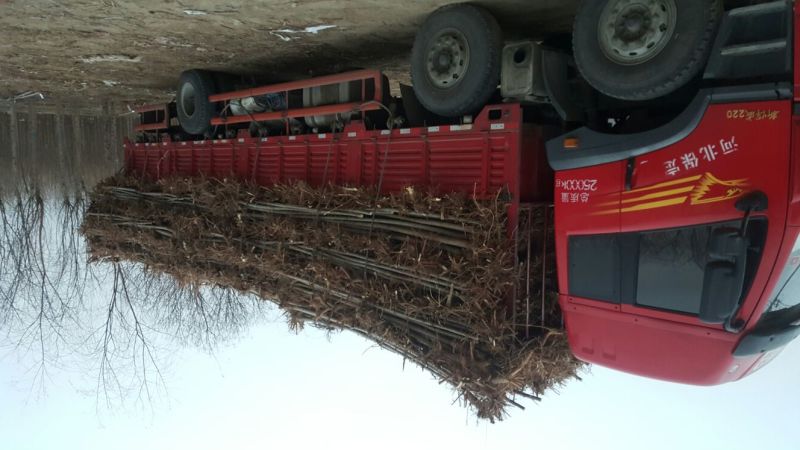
{"points": [[274, 389]]}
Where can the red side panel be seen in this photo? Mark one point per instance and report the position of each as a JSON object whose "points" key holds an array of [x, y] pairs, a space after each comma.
{"points": [[481, 159], [652, 347]]}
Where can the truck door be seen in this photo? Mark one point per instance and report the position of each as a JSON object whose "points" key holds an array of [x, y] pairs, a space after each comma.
{"points": [[587, 201], [676, 196]]}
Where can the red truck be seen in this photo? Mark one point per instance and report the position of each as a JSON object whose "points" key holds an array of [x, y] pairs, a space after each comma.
{"points": [[664, 133]]}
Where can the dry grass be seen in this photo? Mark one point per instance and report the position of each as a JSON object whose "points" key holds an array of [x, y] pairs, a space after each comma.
{"points": [[425, 276]]}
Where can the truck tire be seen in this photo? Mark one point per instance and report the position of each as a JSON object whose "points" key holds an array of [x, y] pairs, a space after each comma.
{"points": [[194, 109], [634, 50], [455, 61]]}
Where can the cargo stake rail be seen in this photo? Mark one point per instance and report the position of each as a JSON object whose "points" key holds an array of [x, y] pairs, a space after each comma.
{"points": [[153, 117], [372, 104]]}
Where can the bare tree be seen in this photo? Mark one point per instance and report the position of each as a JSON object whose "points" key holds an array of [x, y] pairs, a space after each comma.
{"points": [[113, 319], [51, 299]]}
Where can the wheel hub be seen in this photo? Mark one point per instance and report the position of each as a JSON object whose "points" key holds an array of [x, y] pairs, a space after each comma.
{"points": [[632, 27], [634, 31], [448, 58], [443, 61], [187, 99]]}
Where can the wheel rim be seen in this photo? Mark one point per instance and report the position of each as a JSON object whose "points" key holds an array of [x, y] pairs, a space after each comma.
{"points": [[634, 31], [187, 99], [448, 58]]}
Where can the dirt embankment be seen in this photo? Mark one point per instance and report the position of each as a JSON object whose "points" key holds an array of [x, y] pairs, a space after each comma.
{"points": [[134, 51]]}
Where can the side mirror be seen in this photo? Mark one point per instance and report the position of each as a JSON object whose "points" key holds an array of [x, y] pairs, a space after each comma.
{"points": [[724, 275], [753, 201]]}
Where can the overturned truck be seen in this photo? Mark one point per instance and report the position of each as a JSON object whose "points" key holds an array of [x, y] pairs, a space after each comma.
{"points": [[612, 200]]}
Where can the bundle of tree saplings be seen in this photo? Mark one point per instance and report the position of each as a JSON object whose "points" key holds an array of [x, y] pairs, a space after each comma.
{"points": [[430, 277]]}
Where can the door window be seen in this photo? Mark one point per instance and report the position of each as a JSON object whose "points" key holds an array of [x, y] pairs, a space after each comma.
{"points": [[660, 269], [671, 268]]}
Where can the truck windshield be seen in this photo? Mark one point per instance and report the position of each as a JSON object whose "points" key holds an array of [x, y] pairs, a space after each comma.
{"points": [[785, 305]]}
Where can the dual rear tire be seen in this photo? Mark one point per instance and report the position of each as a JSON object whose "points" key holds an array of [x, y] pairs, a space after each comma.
{"points": [[627, 49]]}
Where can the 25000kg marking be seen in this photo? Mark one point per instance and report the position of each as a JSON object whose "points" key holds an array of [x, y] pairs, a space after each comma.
{"points": [[577, 185]]}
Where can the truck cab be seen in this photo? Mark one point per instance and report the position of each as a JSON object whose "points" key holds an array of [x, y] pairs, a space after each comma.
{"points": [[678, 247]]}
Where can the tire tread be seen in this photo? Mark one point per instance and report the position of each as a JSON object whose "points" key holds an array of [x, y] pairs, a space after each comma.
{"points": [[680, 78]]}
